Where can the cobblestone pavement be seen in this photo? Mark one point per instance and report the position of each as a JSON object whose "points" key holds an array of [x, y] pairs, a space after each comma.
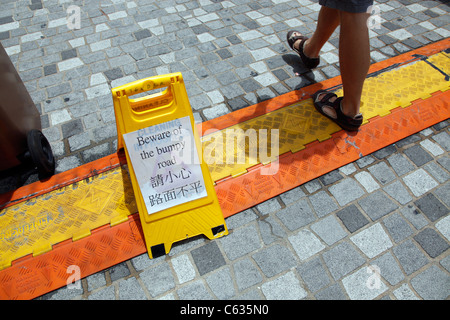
{"points": [[385, 214]]}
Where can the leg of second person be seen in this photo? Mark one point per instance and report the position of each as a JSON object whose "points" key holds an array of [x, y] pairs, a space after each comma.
{"points": [[327, 22], [354, 59]]}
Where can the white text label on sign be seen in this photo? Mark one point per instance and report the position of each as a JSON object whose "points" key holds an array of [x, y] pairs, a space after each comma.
{"points": [[166, 164]]}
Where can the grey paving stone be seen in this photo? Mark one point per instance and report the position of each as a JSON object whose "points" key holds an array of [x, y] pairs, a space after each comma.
{"points": [[382, 173], [372, 241], [414, 216], [410, 257], [314, 274], [367, 181], [408, 140], [441, 125], [274, 260], [359, 285], [432, 284], [194, 291], [446, 263], [271, 230], [221, 284], [249, 85], [348, 169], [431, 207], [385, 152], [285, 287], [352, 218], [342, 259], [240, 219], [69, 54], [418, 155], [329, 230], [224, 53], [95, 153], [208, 258], [397, 227], [158, 279], [64, 293], [437, 172], [389, 268], [183, 268], [6, 19], [57, 90], [346, 191], [96, 281], [142, 34], [119, 271], [404, 292], [365, 161], [377, 205], [130, 289], [433, 244], [443, 139], [216, 111], [246, 274], [292, 196], [397, 191], [400, 164], [445, 162], [240, 242], [269, 206], [4, 35], [297, 215], [107, 293], [442, 193], [67, 163], [237, 104], [322, 203], [114, 74], [232, 91], [330, 177], [313, 185], [306, 244], [444, 227], [333, 292], [79, 141], [200, 101], [50, 69], [432, 147], [253, 294]]}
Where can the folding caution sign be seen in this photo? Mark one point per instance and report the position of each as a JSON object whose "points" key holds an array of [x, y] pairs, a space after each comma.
{"points": [[174, 191]]}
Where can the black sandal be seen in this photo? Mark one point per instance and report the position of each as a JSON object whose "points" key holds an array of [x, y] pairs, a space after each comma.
{"points": [[310, 63], [345, 122]]}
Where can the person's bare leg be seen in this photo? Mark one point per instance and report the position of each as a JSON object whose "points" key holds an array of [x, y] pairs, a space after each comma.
{"points": [[354, 59], [326, 24]]}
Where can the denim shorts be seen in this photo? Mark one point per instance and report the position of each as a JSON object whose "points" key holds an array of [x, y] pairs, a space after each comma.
{"points": [[355, 6]]}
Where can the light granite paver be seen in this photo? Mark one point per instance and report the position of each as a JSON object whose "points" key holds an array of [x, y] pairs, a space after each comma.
{"points": [[372, 241]]}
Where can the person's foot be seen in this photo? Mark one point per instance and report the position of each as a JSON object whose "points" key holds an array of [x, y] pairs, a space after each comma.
{"points": [[297, 42], [331, 111], [330, 105], [306, 48]]}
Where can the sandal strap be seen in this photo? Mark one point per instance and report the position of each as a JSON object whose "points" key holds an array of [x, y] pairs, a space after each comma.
{"points": [[310, 63], [294, 38], [326, 99], [345, 121]]}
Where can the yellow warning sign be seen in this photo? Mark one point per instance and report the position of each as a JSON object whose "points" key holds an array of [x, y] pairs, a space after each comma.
{"points": [[168, 164], [174, 191]]}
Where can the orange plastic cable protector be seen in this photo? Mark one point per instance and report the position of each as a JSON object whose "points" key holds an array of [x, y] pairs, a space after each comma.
{"points": [[31, 277]]}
